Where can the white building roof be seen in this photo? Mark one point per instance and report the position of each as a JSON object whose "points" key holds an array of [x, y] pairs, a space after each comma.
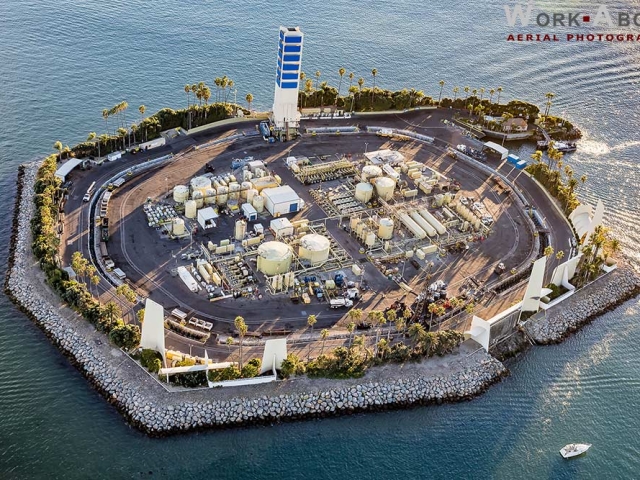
{"points": [[274, 250], [280, 224], [66, 167], [283, 194], [378, 157], [248, 209], [501, 150], [207, 213]]}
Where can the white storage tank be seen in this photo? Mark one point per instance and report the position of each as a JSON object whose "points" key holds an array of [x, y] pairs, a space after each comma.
{"points": [[210, 196], [385, 187], [251, 193], [244, 189], [258, 203], [371, 171], [190, 209], [353, 223], [180, 193], [315, 248], [234, 191], [223, 195], [439, 199], [200, 184], [433, 221], [385, 229], [370, 239], [178, 226], [447, 198], [241, 230], [274, 258], [364, 192], [412, 226], [199, 199]]}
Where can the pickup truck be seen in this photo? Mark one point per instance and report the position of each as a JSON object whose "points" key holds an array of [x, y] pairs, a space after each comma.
{"points": [[340, 303]]}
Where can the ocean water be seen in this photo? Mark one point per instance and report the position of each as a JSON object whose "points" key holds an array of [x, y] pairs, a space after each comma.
{"points": [[63, 61]]}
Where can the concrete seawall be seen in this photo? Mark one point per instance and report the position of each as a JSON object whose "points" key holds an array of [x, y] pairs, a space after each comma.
{"points": [[462, 375], [459, 376]]}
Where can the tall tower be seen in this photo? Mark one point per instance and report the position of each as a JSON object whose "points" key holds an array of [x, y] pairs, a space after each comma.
{"points": [[285, 117]]}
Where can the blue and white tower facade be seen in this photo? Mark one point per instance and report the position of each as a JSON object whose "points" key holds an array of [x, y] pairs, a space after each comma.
{"points": [[285, 116]]}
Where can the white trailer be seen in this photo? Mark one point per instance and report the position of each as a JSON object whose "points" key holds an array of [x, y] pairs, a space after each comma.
{"points": [[340, 303], [156, 142], [112, 157]]}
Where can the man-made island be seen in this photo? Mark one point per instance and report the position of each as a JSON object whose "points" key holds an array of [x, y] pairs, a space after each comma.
{"points": [[373, 253]]}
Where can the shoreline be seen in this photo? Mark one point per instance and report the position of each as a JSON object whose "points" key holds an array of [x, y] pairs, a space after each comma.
{"points": [[145, 405]]}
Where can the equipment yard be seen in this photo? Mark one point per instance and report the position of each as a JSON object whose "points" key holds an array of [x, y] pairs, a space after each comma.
{"points": [[278, 232]]}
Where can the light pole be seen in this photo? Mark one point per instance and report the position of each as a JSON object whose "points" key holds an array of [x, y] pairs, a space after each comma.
{"points": [[366, 145]]}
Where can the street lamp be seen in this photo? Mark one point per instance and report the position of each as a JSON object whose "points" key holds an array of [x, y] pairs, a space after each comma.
{"points": [[366, 145]]}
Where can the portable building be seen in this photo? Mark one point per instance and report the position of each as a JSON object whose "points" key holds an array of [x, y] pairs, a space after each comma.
{"points": [[249, 212], [281, 200], [112, 157], [156, 142], [207, 217], [281, 227], [66, 167]]}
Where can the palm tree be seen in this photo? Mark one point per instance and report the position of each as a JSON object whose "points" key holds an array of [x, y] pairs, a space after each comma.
{"points": [[481, 93], [391, 316], [91, 138], [112, 312], [351, 327], [466, 91], [351, 76], [548, 251], [230, 85], [317, 78], [249, 99], [549, 96], [441, 83], [122, 132], [302, 77], [341, 72], [217, 82], [491, 93], [456, 90], [242, 329], [416, 332], [401, 324], [537, 156], [123, 108], [143, 109], [105, 115], [324, 333], [187, 90], [560, 255], [355, 315], [229, 342], [374, 73], [311, 321], [499, 90], [58, 146]]}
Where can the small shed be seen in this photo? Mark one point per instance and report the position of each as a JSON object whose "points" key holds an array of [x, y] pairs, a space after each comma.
{"points": [[281, 227], [66, 167], [207, 217], [281, 200], [249, 212]]}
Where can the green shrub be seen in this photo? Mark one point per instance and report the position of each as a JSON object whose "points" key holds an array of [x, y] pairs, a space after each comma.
{"points": [[232, 372], [148, 359], [125, 336], [252, 368], [292, 365]]}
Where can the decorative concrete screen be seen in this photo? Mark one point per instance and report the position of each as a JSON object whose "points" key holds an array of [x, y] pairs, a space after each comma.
{"points": [[565, 270], [531, 301], [480, 332], [583, 221], [153, 328], [275, 351]]}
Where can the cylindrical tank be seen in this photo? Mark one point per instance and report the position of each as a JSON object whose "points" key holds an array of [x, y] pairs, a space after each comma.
{"points": [[274, 258], [353, 223], [190, 209], [477, 224], [315, 248], [210, 196], [200, 184], [420, 254], [439, 199], [360, 228], [408, 254], [385, 187], [433, 221], [244, 189], [178, 226], [180, 193], [447, 198], [246, 175], [258, 203], [232, 177], [234, 191], [251, 193], [241, 230], [216, 184], [223, 195], [371, 171], [364, 192], [385, 229], [426, 226], [198, 196], [412, 226], [370, 239]]}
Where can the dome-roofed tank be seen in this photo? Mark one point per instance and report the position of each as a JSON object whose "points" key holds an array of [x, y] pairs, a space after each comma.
{"points": [[178, 226], [199, 198], [371, 171], [200, 184], [385, 187], [180, 193], [222, 195], [210, 196], [314, 248], [274, 258], [258, 203], [385, 229], [364, 192]]}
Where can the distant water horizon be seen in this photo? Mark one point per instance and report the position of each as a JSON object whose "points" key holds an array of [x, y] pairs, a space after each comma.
{"points": [[62, 62]]}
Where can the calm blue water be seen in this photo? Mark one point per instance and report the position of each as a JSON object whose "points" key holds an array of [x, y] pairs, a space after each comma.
{"points": [[63, 61]]}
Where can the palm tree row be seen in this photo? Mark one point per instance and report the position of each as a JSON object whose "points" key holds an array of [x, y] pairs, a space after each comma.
{"points": [[466, 90]]}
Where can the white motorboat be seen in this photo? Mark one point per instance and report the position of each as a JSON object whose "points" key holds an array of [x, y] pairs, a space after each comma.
{"points": [[574, 449]]}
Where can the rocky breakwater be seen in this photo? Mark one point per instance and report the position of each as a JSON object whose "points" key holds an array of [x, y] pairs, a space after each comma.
{"points": [[157, 411], [601, 296]]}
